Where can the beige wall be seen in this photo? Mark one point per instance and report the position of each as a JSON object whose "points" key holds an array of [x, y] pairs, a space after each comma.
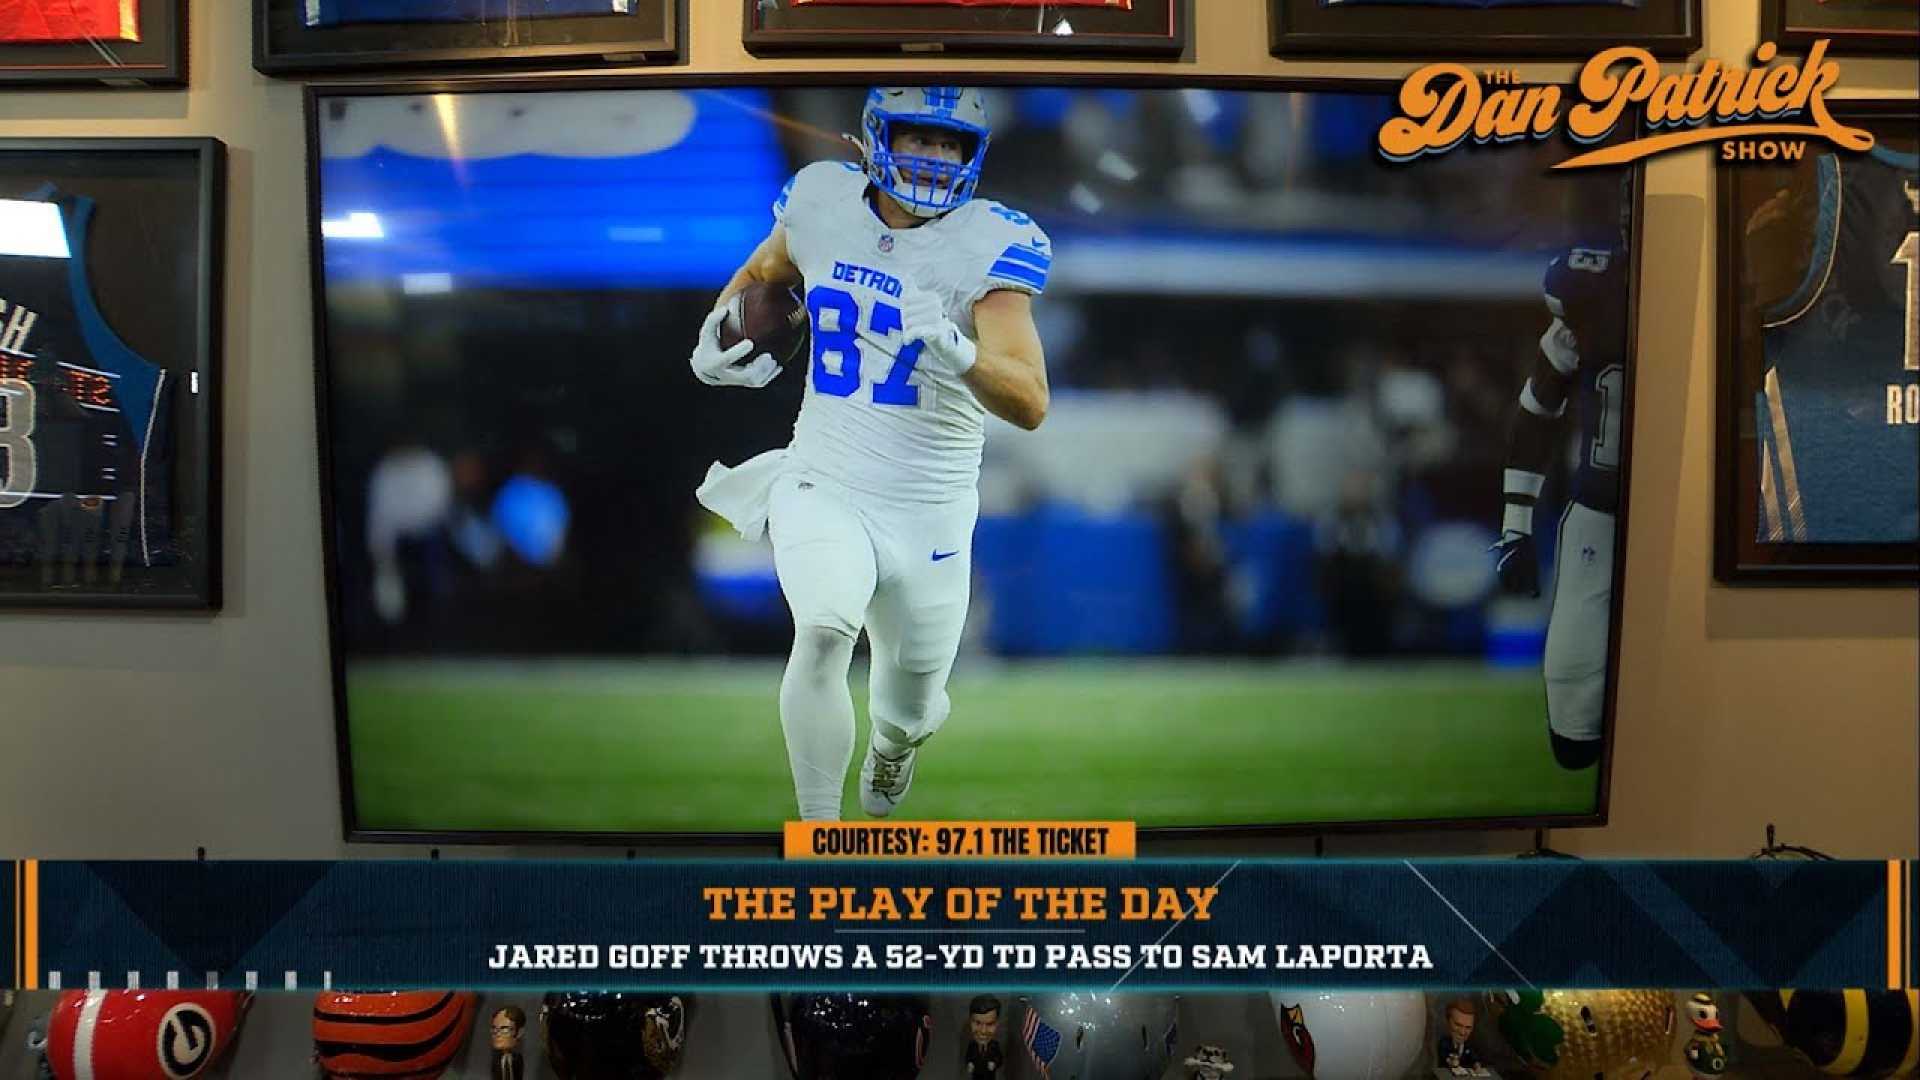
{"points": [[147, 736]]}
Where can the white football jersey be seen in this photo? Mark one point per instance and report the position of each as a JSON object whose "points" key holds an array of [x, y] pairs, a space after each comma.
{"points": [[873, 419]]}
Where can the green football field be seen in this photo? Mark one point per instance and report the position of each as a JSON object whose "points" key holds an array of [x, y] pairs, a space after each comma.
{"points": [[655, 745]]}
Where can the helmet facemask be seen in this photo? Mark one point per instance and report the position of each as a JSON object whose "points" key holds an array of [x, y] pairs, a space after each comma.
{"points": [[923, 186]]}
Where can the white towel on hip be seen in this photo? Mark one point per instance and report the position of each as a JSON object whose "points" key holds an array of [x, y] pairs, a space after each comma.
{"points": [[741, 493]]}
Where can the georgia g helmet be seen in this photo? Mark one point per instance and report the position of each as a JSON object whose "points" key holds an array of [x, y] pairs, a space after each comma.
{"points": [[141, 1034], [925, 187]]}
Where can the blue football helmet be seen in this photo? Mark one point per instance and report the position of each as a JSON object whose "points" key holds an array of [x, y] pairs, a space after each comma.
{"points": [[926, 187]]}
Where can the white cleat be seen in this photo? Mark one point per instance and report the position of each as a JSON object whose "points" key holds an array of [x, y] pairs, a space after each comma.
{"points": [[884, 780]]}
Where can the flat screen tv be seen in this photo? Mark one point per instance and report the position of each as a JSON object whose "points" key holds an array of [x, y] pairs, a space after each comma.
{"points": [[1154, 451]]}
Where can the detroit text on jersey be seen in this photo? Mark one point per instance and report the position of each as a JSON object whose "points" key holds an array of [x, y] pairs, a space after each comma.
{"points": [[872, 418]]}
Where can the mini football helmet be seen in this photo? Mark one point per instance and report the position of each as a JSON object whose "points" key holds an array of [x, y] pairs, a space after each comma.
{"points": [[1096, 1036], [141, 1034], [411, 1034], [1353, 1035], [613, 1036], [853, 1036], [926, 187]]}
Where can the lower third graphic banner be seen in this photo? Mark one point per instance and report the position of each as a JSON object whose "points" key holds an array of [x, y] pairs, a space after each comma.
{"points": [[953, 925]]}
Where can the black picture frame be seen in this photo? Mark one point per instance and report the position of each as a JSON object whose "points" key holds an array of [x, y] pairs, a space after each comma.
{"points": [[1422, 29], [1786, 23], [1149, 29], [157, 61], [285, 43], [150, 196], [355, 830], [1740, 558]]}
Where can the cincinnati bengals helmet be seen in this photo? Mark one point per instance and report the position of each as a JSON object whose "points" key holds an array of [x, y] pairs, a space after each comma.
{"points": [[412, 1034]]}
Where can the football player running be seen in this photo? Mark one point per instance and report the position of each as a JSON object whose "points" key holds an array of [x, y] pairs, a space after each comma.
{"points": [[919, 297], [1582, 360]]}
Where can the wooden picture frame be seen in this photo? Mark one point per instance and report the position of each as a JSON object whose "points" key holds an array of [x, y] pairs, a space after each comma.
{"points": [[1816, 483], [293, 37], [1797, 24], [1444, 29], [113, 384]]}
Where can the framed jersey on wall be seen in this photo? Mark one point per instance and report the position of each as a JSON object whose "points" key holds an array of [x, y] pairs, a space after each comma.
{"points": [[1850, 26], [1145, 28], [1819, 440], [110, 372], [298, 36], [1516, 29], [117, 43]]}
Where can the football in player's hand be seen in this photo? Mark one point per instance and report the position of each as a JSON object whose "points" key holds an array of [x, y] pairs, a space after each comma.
{"points": [[771, 315]]}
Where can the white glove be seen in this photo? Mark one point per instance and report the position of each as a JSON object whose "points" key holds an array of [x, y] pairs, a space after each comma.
{"points": [[717, 367], [924, 318]]}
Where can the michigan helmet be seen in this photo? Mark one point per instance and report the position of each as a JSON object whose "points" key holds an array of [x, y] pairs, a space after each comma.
{"points": [[1359, 1035], [1589, 1034], [141, 1034], [613, 1036], [853, 1036], [413, 1034], [1096, 1036], [925, 187], [1871, 1033]]}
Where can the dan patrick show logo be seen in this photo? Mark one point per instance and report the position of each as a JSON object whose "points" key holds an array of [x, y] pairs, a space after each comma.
{"points": [[1764, 113]]}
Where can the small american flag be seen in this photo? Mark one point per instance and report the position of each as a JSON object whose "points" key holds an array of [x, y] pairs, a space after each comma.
{"points": [[1042, 1041]]}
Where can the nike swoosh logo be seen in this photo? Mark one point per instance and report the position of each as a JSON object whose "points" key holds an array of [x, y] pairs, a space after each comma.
{"points": [[940, 556]]}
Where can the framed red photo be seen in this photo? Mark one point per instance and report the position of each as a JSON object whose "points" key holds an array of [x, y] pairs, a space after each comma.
{"points": [[127, 44]]}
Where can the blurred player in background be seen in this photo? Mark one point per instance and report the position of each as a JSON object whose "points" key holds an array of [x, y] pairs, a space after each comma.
{"points": [[1582, 361], [919, 298]]}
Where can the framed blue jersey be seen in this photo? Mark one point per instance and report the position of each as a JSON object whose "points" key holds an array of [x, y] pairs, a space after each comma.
{"points": [[108, 374], [1820, 401], [83, 418], [1839, 434]]}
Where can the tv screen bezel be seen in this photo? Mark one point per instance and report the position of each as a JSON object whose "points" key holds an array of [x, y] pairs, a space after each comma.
{"points": [[357, 832]]}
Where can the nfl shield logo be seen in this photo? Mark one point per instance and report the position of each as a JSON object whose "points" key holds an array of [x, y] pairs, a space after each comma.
{"points": [[886, 242]]}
